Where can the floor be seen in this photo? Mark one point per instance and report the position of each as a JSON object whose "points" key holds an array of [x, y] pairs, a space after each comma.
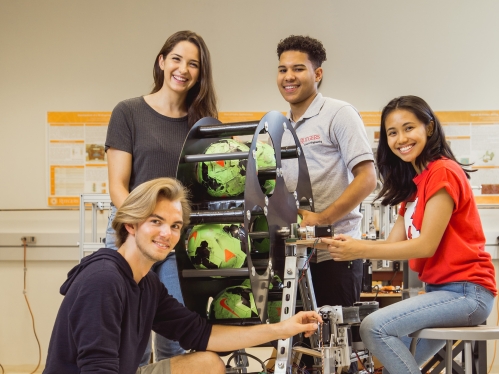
{"points": [[262, 353]]}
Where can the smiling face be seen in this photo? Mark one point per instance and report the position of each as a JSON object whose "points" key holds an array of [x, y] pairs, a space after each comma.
{"points": [[181, 67], [297, 79], [158, 235], [406, 135]]}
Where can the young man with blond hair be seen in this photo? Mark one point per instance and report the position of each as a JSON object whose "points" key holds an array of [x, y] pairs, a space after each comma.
{"points": [[113, 301]]}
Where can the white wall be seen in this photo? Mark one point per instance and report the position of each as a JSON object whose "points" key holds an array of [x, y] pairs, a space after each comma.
{"points": [[59, 55]]}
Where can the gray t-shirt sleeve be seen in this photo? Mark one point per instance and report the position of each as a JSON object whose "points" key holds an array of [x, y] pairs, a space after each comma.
{"points": [[348, 133], [120, 129]]}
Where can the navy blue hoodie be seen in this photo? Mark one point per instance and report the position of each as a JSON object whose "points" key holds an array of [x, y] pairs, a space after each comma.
{"points": [[105, 319]]}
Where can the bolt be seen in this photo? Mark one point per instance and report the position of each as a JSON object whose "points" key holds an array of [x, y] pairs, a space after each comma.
{"points": [[284, 125], [280, 365], [265, 210], [248, 214], [295, 195], [289, 271], [266, 200], [299, 151]]}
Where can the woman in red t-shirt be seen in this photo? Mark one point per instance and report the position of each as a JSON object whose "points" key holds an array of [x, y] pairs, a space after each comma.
{"points": [[438, 230]]}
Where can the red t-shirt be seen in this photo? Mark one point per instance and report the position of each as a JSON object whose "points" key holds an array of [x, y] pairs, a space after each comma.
{"points": [[460, 256]]}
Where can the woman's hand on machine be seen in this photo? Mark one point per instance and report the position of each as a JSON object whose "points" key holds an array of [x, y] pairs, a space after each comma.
{"points": [[343, 247]]}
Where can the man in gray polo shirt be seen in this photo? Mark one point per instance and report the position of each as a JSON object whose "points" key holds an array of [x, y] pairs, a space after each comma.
{"points": [[339, 159]]}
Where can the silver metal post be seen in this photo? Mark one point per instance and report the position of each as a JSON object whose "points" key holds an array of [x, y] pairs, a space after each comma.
{"points": [[448, 357], [284, 347]]}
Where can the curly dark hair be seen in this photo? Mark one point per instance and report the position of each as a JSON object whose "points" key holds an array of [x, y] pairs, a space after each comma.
{"points": [[312, 47]]}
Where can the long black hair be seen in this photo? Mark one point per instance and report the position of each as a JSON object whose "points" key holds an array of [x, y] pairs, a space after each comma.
{"points": [[396, 174]]}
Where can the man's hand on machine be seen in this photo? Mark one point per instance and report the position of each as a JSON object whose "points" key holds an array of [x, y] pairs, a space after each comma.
{"points": [[343, 247], [311, 219], [301, 322]]}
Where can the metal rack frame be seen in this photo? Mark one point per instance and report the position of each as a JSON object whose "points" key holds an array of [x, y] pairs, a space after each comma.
{"points": [[98, 202]]}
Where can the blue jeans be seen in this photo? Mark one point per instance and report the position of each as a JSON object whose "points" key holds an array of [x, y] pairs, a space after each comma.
{"points": [[110, 233], [385, 331], [168, 275]]}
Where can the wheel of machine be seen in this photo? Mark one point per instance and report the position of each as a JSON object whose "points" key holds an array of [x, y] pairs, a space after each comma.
{"points": [[261, 199]]}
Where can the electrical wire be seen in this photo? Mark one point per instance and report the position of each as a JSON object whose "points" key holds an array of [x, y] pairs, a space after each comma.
{"points": [[248, 355], [295, 365], [360, 361], [30, 311], [302, 370], [377, 291], [305, 266], [267, 360], [393, 277]]}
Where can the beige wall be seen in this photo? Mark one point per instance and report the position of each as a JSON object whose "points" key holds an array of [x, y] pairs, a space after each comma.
{"points": [[87, 55], [62, 55]]}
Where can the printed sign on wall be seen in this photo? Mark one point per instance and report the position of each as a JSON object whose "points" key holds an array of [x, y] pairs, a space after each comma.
{"points": [[76, 157], [77, 160]]}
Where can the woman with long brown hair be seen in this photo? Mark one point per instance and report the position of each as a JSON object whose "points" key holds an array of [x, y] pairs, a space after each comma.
{"points": [[146, 135]]}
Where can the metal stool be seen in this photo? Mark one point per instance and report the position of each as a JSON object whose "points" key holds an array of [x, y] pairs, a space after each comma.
{"points": [[466, 334]]}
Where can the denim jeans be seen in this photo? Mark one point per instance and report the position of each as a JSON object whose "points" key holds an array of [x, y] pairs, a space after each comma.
{"points": [[110, 233], [168, 275], [385, 331]]}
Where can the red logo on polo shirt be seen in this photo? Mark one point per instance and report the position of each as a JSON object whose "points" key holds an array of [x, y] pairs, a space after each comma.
{"points": [[311, 139]]}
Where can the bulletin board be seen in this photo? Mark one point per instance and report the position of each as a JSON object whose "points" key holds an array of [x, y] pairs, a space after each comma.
{"points": [[77, 161], [76, 158]]}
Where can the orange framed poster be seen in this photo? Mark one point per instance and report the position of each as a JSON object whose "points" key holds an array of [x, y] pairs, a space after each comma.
{"points": [[77, 161]]}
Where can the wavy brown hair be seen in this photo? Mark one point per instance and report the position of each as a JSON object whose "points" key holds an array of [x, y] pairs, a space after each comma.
{"points": [[201, 99], [396, 174]]}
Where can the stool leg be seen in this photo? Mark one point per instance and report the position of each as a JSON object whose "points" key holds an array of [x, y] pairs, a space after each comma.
{"points": [[448, 357], [414, 341], [468, 366]]}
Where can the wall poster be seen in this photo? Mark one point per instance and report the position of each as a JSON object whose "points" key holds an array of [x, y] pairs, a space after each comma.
{"points": [[77, 161]]}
